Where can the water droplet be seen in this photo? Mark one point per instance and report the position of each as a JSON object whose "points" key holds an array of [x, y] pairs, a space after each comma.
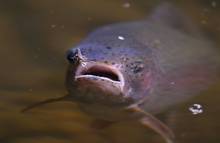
{"points": [[121, 38], [196, 109]]}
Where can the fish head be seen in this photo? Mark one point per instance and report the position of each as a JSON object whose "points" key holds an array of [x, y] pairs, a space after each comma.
{"points": [[116, 73]]}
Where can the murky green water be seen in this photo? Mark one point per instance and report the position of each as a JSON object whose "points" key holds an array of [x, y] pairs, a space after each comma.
{"points": [[34, 36]]}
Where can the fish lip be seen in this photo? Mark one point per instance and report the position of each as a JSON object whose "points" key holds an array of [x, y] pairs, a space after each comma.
{"points": [[86, 70]]}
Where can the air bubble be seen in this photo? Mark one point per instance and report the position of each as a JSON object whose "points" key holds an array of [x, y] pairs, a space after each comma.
{"points": [[196, 109]]}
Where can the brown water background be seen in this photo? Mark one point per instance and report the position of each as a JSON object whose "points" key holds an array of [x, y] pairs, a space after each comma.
{"points": [[34, 36]]}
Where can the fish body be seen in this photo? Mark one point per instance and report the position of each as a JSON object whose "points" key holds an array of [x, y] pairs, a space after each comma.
{"points": [[160, 64], [133, 70]]}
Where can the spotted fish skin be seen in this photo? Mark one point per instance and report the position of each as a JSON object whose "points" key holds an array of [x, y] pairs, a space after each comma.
{"points": [[128, 56], [156, 60], [160, 62], [133, 70]]}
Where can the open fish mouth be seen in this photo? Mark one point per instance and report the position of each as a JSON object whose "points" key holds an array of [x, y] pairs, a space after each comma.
{"points": [[102, 74]]}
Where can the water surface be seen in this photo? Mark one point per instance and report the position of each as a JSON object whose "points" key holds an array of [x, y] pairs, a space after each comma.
{"points": [[33, 40]]}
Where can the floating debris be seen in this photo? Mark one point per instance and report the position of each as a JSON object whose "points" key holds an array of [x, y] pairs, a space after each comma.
{"points": [[126, 5], [214, 4], [53, 26], [196, 109]]}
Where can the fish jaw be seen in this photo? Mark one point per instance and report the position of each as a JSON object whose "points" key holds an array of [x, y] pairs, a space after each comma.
{"points": [[99, 83], [104, 76]]}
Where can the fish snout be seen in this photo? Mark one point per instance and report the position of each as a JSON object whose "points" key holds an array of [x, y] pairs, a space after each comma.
{"points": [[74, 56], [95, 81]]}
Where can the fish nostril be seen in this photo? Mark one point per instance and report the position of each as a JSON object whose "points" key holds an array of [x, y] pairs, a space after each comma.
{"points": [[73, 55], [70, 56]]}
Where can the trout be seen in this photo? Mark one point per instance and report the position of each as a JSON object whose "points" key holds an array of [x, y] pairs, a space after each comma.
{"points": [[134, 70]]}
